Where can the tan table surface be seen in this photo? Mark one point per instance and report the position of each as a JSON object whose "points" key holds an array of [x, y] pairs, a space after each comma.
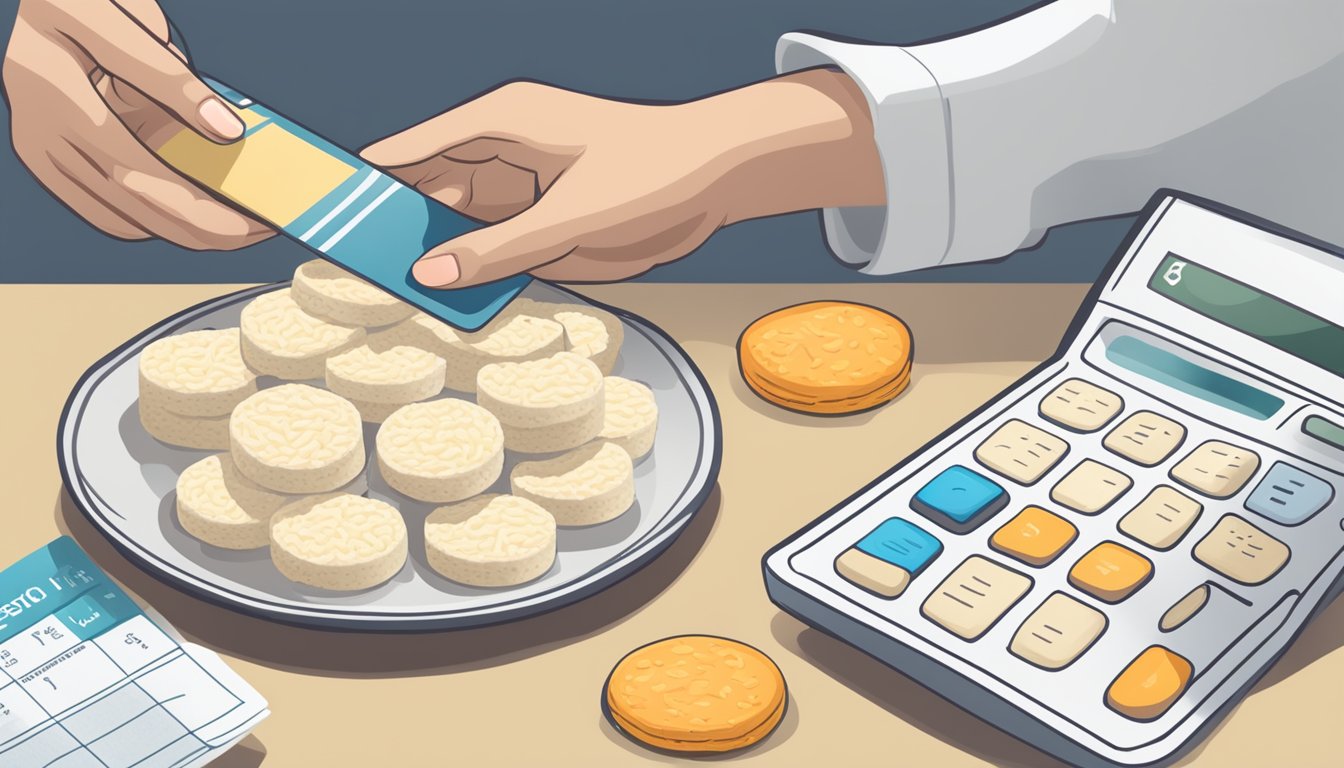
{"points": [[527, 693]]}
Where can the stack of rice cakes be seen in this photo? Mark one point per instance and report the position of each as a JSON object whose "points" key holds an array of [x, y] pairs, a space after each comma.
{"points": [[282, 401]]}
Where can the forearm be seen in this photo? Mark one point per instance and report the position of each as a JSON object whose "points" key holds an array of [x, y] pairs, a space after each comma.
{"points": [[797, 142]]}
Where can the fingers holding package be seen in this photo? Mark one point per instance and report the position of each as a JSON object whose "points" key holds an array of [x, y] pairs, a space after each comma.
{"points": [[89, 85], [580, 188]]}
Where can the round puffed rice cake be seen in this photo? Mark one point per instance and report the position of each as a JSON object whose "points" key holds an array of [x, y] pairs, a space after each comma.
{"points": [[221, 507], [399, 375], [538, 393], [631, 416], [510, 337], [295, 438], [280, 339], [590, 485], [442, 450], [338, 541], [494, 540], [197, 373], [326, 290]]}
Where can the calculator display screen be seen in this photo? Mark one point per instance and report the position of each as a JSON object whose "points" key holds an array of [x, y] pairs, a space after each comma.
{"points": [[1268, 318]]}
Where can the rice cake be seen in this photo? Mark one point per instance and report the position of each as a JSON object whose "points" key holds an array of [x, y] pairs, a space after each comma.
{"points": [[509, 337], [297, 439], [696, 693], [495, 540], [589, 331], [826, 357], [338, 541], [630, 417], [400, 375], [325, 290], [280, 339], [221, 507], [539, 393], [554, 437], [594, 333], [209, 433], [442, 450], [198, 373], [591, 485]]}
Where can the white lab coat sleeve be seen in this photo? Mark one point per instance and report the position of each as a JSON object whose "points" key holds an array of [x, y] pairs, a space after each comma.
{"points": [[1083, 108]]}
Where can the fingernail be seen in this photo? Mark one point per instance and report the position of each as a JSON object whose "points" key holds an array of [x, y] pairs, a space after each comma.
{"points": [[437, 270], [220, 119]]}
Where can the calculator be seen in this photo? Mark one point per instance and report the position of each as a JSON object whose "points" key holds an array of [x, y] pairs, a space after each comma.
{"points": [[1106, 557]]}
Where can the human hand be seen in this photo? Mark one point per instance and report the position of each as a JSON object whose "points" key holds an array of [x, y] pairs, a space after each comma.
{"points": [[591, 189], [90, 84]]}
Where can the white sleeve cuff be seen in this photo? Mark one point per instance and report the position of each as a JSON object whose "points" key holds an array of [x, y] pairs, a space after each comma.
{"points": [[914, 229]]}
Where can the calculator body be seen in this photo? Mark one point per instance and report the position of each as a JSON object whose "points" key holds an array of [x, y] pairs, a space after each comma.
{"points": [[1178, 525]]}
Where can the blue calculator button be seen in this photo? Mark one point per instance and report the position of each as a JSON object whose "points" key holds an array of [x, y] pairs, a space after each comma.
{"points": [[959, 494], [1289, 495], [903, 544]]}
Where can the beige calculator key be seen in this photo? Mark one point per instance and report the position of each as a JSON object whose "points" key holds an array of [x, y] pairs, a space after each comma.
{"points": [[1162, 518], [974, 596], [873, 574], [1145, 438], [1241, 552], [1021, 452], [1058, 632], [1090, 487], [1081, 406], [1216, 469]]}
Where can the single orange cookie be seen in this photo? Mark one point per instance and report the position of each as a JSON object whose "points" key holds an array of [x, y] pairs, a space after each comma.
{"points": [[826, 357], [696, 693]]}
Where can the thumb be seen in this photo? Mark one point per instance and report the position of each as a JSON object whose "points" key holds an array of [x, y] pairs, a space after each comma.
{"points": [[537, 236]]}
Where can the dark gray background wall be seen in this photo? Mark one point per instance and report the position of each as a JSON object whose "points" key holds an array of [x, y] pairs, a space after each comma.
{"points": [[357, 71]]}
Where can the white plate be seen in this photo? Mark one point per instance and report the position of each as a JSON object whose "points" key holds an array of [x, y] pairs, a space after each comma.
{"points": [[123, 480]]}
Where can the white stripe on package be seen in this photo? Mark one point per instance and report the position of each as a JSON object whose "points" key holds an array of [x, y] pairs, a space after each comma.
{"points": [[349, 225], [341, 206]]}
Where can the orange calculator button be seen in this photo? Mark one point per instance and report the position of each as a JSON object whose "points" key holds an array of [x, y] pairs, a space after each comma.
{"points": [[1034, 536], [1150, 684], [1110, 572]]}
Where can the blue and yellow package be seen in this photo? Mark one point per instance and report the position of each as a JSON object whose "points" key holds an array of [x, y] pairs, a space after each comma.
{"points": [[337, 205]]}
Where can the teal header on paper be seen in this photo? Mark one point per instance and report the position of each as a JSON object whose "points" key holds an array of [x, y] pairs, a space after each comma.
{"points": [[60, 580]]}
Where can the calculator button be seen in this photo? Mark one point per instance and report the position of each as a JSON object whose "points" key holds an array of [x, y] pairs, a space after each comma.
{"points": [[884, 561], [901, 543], [1216, 469], [1162, 518], [974, 596], [1111, 572], [1034, 536], [960, 495], [1241, 552], [1151, 683], [1081, 406], [1058, 632], [1289, 496], [1145, 438], [1021, 452], [1185, 608], [876, 576], [1090, 487]]}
